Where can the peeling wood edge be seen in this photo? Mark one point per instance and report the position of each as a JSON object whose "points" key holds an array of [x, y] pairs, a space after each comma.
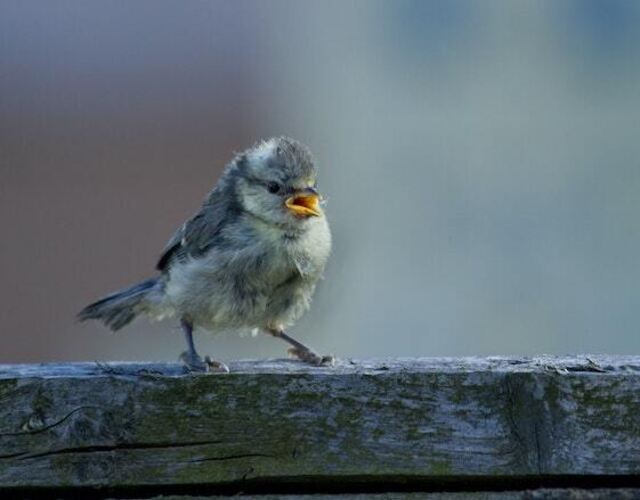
{"points": [[605, 365]]}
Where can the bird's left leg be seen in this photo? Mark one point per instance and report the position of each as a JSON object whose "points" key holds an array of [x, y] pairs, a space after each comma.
{"points": [[299, 350], [191, 359]]}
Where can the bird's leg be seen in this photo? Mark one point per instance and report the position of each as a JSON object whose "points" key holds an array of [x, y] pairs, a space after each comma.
{"points": [[299, 350], [192, 361]]}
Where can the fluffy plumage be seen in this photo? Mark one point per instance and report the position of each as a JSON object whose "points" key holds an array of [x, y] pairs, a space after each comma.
{"points": [[244, 260]]}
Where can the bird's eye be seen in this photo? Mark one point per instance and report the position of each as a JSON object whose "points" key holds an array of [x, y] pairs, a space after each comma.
{"points": [[273, 187]]}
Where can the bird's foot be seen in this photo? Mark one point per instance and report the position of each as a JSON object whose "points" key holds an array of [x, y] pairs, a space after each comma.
{"points": [[195, 364], [308, 356]]}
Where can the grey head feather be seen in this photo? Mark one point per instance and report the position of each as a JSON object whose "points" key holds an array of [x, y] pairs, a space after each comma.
{"points": [[241, 191]]}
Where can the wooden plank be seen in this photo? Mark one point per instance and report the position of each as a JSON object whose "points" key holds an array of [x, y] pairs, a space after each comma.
{"points": [[411, 421]]}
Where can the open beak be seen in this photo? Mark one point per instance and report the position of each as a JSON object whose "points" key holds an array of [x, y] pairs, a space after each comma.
{"points": [[304, 203]]}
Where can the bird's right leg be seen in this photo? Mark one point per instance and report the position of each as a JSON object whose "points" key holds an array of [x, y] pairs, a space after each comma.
{"points": [[299, 350], [191, 359]]}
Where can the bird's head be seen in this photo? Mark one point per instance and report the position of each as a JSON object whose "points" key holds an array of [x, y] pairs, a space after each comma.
{"points": [[276, 181]]}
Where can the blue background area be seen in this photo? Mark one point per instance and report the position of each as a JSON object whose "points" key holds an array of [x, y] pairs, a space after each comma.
{"points": [[481, 160]]}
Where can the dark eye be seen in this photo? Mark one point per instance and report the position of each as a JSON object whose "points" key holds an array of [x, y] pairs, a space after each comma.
{"points": [[273, 187]]}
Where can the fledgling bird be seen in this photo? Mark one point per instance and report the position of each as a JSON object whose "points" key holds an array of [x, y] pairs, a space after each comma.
{"points": [[250, 258]]}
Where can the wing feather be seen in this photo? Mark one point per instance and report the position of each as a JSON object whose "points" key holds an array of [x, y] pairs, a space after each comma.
{"points": [[196, 236]]}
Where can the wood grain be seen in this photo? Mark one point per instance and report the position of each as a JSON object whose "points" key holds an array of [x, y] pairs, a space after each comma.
{"points": [[408, 421]]}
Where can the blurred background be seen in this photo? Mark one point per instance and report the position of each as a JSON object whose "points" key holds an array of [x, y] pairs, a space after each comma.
{"points": [[481, 160]]}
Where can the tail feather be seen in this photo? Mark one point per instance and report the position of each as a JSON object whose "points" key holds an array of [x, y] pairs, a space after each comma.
{"points": [[119, 309]]}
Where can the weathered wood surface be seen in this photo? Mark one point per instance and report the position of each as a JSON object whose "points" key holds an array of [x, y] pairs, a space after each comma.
{"points": [[430, 422]]}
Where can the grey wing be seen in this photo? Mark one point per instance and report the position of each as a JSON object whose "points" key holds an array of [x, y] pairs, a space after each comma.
{"points": [[193, 239], [202, 231], [170, 250]]}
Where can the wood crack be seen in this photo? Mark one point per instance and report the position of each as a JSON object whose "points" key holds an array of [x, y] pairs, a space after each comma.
{"points": [[520, 442], [536, 434], [47, 427], [109, 448], [231, 457]]}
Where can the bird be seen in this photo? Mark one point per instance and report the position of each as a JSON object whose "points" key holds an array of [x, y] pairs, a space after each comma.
{"points": [[248, 260]]}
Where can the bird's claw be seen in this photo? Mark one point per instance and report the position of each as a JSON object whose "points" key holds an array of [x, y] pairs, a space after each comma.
{"points": [[195, 364], [308, 356]]}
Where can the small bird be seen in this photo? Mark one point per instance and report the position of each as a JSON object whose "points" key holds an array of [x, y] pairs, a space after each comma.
{"points": [[249, 259]]}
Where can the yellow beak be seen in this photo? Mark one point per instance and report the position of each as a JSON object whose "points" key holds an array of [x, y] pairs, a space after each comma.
{"points": [[304, 205]]}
